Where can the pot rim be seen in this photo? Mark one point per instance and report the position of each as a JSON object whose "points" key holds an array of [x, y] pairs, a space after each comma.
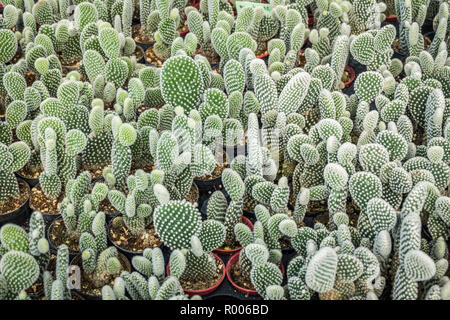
{"points": [[87, 296], [47, 216], [10, 214], [249, 224], [391, 18], [209, 290], [52, 245], [121, 249], [231, 262], [351, 71]]}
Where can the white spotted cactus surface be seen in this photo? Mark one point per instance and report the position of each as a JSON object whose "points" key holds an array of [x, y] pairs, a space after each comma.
{"points": [[307, 142]]}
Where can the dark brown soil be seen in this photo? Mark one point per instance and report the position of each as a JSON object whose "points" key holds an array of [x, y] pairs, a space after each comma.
{"points": [[193, 194], [88, 285], [139, 35], [123, 238], [151, 58], [239, 279], [15, 202], [107, 207], [138, 53], [58, 235], [204, 284], [95, 171], [30, 172], [213, 59], [40, 202]]}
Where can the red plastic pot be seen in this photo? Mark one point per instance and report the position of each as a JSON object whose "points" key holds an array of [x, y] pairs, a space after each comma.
{"points": [[351, 72], [182, 34], [310, 19], [249, 224], [233, 260], [391, 18], [204, 291], [263, 55]]}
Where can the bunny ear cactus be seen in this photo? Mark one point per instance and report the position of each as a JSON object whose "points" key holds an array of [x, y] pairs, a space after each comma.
{"points": [[365, 14], [84, 14], [364, 186], [321, 270], [59, 162], [136, 209], [200, 263], [203, 162], [124, 137], [13, 158], [181, 82], [374, 50], [102, 265], [237, 41], [185, 216], [9, 45], [19, 269], [368, 85], [23, 255], [294, 92], [336, 177], [99, 141], [264, 275], [235, 187], [43, 12]]}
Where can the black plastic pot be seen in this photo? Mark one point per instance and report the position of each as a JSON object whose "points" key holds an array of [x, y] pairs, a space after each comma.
{"points": [[128, 253], [288, 251], [76, 261], [53, 248], [427, 26], [249, 215], [144, 45], [215, 66], [208, 186], [430, 35], [32, 182], [20, 215], [401, 57], [142, 59]]}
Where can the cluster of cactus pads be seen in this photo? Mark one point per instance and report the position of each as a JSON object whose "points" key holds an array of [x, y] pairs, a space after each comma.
{"points": [[311, 139]]}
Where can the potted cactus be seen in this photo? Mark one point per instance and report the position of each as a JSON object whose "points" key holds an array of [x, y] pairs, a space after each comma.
{"points": [[230, 214], [149, 278], [23, 257], [59, 148], [255, 266], [134, 231], [78, 210], [99, 263], [162, 23], [14, 193], [204, 271]]}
